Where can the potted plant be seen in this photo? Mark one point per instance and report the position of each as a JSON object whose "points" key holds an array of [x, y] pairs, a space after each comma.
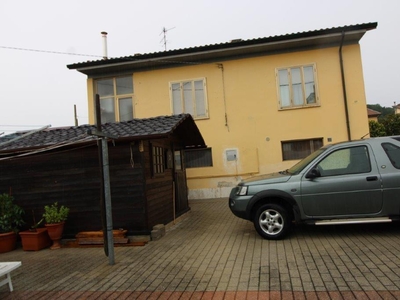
{"points": [[55, 218], [35, 238], [10, 221]]}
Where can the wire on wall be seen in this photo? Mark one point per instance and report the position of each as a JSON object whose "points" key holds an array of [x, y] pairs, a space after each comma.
{"points": [[221, 66]]}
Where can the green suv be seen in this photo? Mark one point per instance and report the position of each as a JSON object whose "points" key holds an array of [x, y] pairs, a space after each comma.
{"points": [[344, 183]]}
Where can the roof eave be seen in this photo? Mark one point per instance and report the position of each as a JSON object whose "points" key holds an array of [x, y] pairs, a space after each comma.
{"points": [[221, 52]]}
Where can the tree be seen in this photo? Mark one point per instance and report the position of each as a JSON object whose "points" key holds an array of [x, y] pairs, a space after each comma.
{"points": [[376, 129], [391, 124]]}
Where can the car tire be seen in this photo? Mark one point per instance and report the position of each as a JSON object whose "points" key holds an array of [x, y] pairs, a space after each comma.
{"points": [[272, 221]]}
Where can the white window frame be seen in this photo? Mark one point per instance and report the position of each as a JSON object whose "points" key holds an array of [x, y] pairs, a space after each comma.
{"points": [[290, 94], [116, 97], [195, 112]]}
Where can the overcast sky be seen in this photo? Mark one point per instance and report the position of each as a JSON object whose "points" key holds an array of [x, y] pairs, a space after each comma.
{"points": [[37, 89]]}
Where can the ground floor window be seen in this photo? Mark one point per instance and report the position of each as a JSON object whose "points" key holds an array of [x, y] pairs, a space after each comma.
{"points": [[198, 158], [300, 149]]}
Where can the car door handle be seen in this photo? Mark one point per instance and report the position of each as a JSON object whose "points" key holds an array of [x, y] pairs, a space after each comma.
{"points": [[372, 178]]}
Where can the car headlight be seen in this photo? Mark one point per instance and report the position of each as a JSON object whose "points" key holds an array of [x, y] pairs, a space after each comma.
{"points": [[242, 190]]}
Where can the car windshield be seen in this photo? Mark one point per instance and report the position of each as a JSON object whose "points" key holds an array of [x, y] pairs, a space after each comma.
{"points": [[297, 168]]}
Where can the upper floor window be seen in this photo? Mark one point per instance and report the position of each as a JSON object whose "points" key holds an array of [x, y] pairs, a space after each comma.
{"points": [[297, 87], [116, 95], [189, 97]]}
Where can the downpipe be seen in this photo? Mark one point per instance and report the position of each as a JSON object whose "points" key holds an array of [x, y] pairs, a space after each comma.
{"points": [[344, 89]]}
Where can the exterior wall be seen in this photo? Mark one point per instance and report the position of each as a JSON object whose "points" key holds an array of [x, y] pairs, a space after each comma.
{"points": [[375, 119], [91, 100], [245, 90]]}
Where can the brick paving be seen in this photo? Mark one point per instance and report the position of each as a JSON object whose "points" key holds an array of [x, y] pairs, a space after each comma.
{"points": [[211, 254]]}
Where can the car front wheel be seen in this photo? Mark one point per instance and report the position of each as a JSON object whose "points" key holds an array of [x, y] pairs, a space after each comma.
{"points": [[272, 221]]}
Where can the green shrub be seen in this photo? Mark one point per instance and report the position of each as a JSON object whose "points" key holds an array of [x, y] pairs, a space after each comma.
{"points": [[10, 214], [54, 214], [376, 129]]}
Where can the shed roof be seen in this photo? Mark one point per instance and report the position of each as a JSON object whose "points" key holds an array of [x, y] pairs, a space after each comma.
{"points": [[234, 49], [181, 125]]}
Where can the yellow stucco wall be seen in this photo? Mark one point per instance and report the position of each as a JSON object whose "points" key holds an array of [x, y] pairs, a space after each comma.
{"points": [[245, 91], [375, 119], [91, 108]]}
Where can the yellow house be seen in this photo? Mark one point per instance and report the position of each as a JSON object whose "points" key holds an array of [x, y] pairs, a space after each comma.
{"points": [[396, 108], [373, 115], [260, 104]]}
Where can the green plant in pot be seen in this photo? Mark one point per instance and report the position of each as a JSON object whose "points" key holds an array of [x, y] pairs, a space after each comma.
{"points": [[10, 221], [55, 217]]}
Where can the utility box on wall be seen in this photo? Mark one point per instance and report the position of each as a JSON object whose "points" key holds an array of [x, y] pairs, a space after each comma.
{"points": [[231, 155]]}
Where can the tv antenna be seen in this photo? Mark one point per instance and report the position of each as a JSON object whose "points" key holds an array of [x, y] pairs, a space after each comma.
{"points": [[164, 39]]}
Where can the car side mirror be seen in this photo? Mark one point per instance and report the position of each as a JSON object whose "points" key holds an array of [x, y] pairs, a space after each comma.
{"points": [[313, 173]]}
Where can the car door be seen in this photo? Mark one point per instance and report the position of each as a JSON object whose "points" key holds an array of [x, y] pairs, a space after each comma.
{"points": [[349, 184]]}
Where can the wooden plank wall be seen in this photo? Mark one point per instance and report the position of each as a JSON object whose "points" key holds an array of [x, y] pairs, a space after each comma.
{"points": [[73, 179], [159, 190]]}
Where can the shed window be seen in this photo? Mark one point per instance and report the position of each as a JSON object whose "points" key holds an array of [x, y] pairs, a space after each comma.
{"points": [[158, 160]]}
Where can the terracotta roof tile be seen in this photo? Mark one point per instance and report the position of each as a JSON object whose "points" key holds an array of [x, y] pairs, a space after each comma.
{"points": [[373, 113]]}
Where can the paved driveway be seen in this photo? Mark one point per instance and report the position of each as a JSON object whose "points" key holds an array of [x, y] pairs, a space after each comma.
{"points": [[213, 255]]}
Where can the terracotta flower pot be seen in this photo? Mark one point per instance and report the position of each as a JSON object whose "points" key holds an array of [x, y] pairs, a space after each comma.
{"points": [[8, 241], [55, 233], [35, 240]]}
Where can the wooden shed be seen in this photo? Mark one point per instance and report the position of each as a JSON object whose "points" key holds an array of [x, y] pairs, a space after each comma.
{"points": [[147, 172]]}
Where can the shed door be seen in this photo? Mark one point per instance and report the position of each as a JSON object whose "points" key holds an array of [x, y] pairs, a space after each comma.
{"points": [[181, 191]]}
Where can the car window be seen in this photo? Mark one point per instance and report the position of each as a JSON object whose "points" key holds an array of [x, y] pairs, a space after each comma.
{"points": [[345, 161], [393, 152]]}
